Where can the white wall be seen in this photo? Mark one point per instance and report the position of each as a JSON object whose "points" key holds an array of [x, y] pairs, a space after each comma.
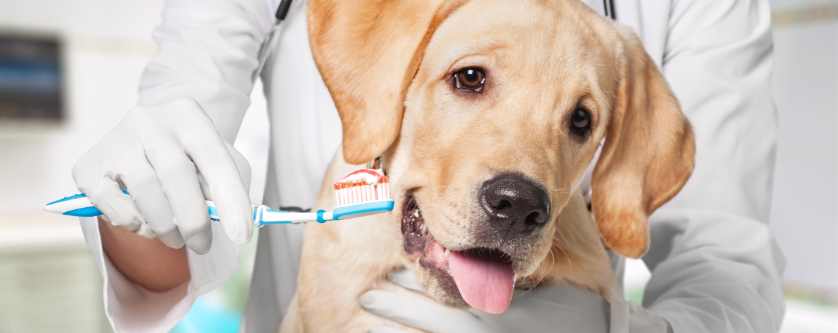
{"points": [[805, 212]]}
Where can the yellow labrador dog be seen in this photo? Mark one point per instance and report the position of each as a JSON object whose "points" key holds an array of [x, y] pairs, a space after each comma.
{"points": [[486, 114]]}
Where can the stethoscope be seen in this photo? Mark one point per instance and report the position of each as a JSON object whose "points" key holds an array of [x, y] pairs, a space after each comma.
{"points": [[607, 9]]}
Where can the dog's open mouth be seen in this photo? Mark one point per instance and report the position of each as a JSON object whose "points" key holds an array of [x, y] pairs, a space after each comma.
{"points": [[484, 277]]}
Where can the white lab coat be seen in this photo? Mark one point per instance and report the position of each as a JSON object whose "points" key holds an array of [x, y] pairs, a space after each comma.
{"points": [[715, 267]]}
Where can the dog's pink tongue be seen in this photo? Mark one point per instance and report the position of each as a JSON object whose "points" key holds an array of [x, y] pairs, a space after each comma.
{"points": [[485, 285]]}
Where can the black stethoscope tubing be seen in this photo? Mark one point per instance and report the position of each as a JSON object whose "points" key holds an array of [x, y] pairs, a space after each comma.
{"points": [[609, 9]]}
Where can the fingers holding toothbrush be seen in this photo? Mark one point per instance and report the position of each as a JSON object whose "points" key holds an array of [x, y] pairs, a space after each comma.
{"points": [[162, 156], [226, 181]]}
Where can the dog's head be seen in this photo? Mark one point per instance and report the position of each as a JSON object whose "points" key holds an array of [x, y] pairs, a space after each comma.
{"points": [[488, 114]]}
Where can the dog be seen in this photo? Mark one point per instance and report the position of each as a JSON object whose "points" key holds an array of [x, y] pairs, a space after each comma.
{"points": [[486, 115]]}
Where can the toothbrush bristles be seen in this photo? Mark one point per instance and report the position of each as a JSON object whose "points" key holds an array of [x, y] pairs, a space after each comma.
{"points": [[362, 193], [362, 186]]}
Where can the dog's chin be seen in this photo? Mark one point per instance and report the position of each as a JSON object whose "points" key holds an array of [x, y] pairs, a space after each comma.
{"points": [[480, 277]]}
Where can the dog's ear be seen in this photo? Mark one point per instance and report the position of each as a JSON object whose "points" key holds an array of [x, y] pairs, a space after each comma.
{"points": [[648, 153], [368, 53]]}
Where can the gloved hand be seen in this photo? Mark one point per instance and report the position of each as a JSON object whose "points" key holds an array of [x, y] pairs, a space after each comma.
{"points": [[169, 158], [548, 308]]}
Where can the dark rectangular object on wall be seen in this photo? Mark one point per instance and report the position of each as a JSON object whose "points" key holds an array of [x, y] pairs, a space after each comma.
{"points": [[31, 77]]}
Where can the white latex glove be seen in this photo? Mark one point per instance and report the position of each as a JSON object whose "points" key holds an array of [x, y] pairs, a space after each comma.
{"points": [[170, 159], [548, 308]]}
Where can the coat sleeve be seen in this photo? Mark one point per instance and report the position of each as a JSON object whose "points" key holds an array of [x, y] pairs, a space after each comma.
{"points": [[715, 265], [131, 308], [207, 51]]}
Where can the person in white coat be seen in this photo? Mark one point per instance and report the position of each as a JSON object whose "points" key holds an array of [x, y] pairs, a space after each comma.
{"points": [[715, 266]]}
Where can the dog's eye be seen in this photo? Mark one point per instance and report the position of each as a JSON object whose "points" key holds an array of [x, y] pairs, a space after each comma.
{"points": [[471, 79], [580, 122]]}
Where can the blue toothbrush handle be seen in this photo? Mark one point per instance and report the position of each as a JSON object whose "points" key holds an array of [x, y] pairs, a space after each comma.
{"points": [[79, 205], [75, 205]]}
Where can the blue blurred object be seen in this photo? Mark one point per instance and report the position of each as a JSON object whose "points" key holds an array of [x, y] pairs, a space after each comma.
{"points": [[207, 316], [31, 77]]}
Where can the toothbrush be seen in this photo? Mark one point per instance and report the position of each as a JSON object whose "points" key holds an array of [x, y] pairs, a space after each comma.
{"points": [[361, 193]]}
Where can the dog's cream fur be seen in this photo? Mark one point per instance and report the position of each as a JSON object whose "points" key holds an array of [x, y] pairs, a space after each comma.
{"points": [[387, 65]]}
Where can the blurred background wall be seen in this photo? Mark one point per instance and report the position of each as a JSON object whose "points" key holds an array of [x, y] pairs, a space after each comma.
{"points": [[805, 208], [44, 266], [48, 282]]}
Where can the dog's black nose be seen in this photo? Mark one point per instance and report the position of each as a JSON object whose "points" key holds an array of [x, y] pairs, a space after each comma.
{"points": [[515, 203]]}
